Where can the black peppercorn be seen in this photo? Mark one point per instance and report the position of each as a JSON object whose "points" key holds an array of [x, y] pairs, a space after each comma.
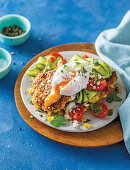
{"points": [[12, 31]]}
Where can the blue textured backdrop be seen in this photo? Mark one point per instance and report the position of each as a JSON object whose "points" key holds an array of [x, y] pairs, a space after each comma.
{"points": [[55, 22]]}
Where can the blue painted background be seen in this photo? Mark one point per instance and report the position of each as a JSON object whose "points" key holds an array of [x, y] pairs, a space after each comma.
{"points": [[55, 22]]}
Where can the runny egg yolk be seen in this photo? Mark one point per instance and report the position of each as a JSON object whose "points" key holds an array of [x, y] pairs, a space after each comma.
{"points": [[55, 95]]}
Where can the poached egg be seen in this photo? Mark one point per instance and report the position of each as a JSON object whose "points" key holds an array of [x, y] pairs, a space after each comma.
{"points": [[68, 80]]}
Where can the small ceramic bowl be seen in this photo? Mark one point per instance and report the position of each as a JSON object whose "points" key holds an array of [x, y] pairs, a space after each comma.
{"points": [[5, 62], [18, 20]]}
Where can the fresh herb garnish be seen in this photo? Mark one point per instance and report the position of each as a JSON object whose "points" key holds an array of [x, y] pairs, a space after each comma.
{"points": [[96, 109], [84, 70], [110, 112], [97, 80], [39, 110], [30, 100], [113, 98], [30, 118], [86, 121], [58, 121], [62, 71], [77, 63], [65, 66], [95, 61], [91, 106]]}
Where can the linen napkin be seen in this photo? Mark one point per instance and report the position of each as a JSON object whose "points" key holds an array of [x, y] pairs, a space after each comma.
{"points": [[113, 46]]}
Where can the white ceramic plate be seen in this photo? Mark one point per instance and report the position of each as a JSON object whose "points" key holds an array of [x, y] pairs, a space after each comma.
{"points": [[95, 121]]}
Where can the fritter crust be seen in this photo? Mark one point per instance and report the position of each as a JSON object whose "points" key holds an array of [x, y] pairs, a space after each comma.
{"points": [[111, 82], [42, 86]]}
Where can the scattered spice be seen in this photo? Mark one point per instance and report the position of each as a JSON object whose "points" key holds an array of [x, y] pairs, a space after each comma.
{"points": [[14, 63], [20, 129], [12, 31], [12, 53], [18, 52]]}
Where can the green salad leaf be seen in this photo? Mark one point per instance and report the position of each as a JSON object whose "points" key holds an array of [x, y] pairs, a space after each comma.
{"points": [[113, 98], [58, 121]]}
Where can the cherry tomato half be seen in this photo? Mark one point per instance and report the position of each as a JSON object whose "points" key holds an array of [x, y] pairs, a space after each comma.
{"points": [[76, 113], [99, 87], [85, 56], [104, 109], [52, 59], [64, 61], [56, 54], [90, 84]]}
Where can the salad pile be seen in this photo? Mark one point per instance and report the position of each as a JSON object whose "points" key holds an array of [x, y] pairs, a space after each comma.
{"points": [[65, 90]]}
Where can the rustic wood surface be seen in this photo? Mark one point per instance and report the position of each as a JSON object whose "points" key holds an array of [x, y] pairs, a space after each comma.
{"points": [[107, 135]]}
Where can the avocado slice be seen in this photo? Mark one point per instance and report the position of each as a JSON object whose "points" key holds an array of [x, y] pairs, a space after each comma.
{"points": [[77, 58], [111, 69], [90, 94], [33, 72], [110, 72], [103, 64], [42, 60], [51, 65], [40, 66], [85, 97], [100, 69], [79, 97], [55, 62]]}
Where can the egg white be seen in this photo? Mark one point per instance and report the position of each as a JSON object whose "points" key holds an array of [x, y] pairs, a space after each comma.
{"points": [[79, 81]]}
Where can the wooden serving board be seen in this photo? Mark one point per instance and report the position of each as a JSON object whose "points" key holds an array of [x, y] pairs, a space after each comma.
{"points": [[110, 134]]}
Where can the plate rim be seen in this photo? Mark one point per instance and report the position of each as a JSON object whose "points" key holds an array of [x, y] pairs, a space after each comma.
{"points": [[71, 129], [46, 52]]}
